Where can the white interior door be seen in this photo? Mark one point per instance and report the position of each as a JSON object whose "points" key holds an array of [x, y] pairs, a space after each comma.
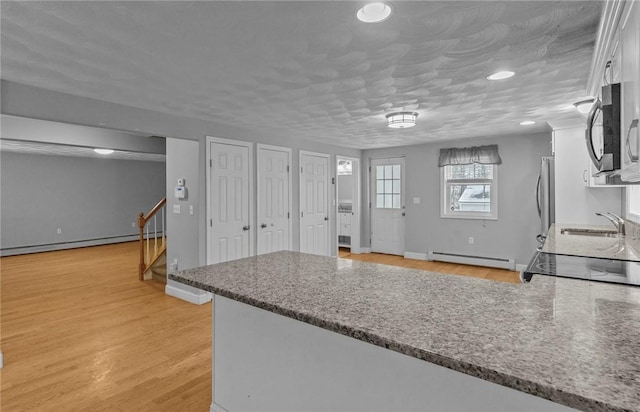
{"points": [[387, 205], [228, 200], [314, 207], [273, 199]]}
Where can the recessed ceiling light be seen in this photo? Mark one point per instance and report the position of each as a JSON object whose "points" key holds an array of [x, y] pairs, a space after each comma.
{"points": [[501, 75], [527, 123], [103, 151], [374, 13], [401, 120]]}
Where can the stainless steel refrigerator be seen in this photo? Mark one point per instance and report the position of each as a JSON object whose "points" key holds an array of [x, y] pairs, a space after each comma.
{"points": [[545, 197]]}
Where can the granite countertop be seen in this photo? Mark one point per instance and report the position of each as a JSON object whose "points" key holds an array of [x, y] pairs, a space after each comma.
{"points": [[619, 247], [571, 341]]}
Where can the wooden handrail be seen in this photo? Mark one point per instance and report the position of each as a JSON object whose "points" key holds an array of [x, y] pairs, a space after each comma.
{"points": [[153, 211], [142, 221]]}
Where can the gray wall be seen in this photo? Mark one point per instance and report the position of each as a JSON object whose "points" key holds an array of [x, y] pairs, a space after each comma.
{"points": [[90, 199], [511, 236], [28, 101], [184, 228]]}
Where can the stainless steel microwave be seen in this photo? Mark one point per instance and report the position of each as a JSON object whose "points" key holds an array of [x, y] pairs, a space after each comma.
{"points": [[603, 135]]}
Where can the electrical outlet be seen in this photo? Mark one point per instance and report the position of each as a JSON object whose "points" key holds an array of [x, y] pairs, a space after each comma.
{"points": [[174, 264], [59, 231], [471, 240], [133, 224]]}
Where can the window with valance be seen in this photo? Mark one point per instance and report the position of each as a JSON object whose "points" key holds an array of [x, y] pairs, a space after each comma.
{"points": [[469, 182]]}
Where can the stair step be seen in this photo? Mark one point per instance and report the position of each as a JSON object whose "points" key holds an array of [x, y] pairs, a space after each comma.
{"points": [[158, 271], [159, 277]]}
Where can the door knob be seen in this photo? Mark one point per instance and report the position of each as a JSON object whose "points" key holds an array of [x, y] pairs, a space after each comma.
{"points": [[403, 214], [326, 218], [263, 225], [247, 227]]}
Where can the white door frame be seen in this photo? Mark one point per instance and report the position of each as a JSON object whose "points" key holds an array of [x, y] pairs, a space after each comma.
{"points": [[372, 191], [249, 146], [289, 187], [300, 184], [356, 207]]}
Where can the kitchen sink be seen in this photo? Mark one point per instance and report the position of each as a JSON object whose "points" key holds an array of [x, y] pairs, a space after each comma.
{"points": [[589, 232]]}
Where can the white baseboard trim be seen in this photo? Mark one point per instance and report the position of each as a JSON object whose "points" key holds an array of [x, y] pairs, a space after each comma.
{"points": [[355, 250], [1, 360], [191, 297], [362, 250], [67, 245], [217, 408], [414, 255], [520, 268]]}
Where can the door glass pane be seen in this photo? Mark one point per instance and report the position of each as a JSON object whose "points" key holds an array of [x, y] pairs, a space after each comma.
{"points": [[387, 172], [388, 201], [380, 201], [380, 186], [396, 171], [388, 186], [396, 186], [379, 172], [396, 201]]}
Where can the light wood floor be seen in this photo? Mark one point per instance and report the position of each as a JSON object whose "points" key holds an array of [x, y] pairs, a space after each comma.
{"points": [[79, 332], [502, 275]]}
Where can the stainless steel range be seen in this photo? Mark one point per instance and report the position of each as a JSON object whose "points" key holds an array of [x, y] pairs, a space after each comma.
{"points": [[581, 267]]}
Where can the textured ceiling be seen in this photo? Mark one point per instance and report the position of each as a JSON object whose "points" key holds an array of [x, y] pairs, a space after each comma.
{"points": [[310, 69], [25, 146]]}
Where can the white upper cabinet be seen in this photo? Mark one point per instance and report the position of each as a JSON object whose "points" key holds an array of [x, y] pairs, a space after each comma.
{"points": [[630, 93], [617, 60]]}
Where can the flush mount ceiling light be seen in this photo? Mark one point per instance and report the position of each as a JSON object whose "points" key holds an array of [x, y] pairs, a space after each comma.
{"points": [[527, 123], [401, 120], [584, 106], [103, 151], [374, 13], [501, 75]]}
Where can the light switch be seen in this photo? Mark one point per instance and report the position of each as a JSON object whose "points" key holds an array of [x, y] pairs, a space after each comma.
{"points": [[416, 200], [176, 209], [191, 209]]}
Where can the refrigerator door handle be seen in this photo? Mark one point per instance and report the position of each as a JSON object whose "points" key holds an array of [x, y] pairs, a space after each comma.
{"points": [[538, 196]]}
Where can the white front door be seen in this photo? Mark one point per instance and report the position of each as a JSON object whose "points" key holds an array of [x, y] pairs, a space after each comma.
{"points": [[273, 199], [314, 208], [229, 186], [387, 205]]}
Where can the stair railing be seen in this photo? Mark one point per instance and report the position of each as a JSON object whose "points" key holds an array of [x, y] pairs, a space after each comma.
{"points": [[154, 243]]}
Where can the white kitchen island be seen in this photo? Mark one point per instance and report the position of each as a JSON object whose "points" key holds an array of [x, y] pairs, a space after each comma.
{"points": [[301, 332]]}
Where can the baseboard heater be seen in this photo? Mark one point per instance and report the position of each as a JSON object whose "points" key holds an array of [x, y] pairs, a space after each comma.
{"points": [[494, 262]]}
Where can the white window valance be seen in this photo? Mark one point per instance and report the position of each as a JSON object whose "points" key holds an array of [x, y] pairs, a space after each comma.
{"points": [[485, 155]]}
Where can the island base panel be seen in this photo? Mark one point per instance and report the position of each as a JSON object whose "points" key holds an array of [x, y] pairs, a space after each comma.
{"points": [[265, 361]]}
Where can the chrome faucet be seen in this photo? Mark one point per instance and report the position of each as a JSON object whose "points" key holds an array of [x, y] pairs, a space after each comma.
{"points": [[617, 221]]}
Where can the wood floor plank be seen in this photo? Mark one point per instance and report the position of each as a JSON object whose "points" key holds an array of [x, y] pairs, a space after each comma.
{"points": [[501, 275], [79, 332]]}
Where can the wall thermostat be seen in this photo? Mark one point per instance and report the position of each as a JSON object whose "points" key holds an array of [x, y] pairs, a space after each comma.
{"points": [[180, 192]]}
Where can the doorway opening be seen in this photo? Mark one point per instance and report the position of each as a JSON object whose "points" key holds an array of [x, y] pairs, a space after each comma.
{"points": [[348, 204]]}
